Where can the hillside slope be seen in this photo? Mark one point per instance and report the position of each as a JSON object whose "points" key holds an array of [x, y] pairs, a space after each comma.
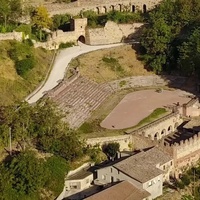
{"points": [[12, 86]]}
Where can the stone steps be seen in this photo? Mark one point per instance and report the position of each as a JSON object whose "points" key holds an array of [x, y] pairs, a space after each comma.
{"points": [[79, 99]]}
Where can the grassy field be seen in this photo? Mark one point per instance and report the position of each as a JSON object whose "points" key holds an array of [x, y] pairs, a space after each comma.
{"points": [[12, 86], [109, 64]]}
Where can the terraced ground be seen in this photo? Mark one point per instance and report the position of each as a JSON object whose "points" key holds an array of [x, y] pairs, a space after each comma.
{"points": [[79, 99]]}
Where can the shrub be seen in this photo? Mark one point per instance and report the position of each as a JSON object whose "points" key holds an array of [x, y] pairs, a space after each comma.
{"points": [[66, 45], [180, 185], [23, 66], [21, 51], [25, 28], [185, 179], [122, 83], [113, 64]]}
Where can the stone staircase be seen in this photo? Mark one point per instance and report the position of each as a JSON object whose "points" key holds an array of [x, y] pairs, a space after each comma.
{"points": [[79, 99]]}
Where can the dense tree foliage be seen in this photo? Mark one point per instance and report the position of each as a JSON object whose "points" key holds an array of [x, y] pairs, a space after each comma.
{"points": [[170, 40], [40, 19], [40, 127], [111, 149], [25, 176], [10, 11], [95, 20], [60, 21]]}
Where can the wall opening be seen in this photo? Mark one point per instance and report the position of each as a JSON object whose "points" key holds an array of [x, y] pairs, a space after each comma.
{"points": [[81, 39], [120, 7], [105, 9], [144, 8], [112, 8], [156, 136], [170, 129], [163, 133], [133, 8], [97, 10]]}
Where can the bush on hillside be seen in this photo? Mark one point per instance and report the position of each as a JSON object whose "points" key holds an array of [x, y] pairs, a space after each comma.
{"points": [[25, 28], [23, 66]]}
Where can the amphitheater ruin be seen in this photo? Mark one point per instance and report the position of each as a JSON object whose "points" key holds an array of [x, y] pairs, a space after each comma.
{"points": [[78, 97]]}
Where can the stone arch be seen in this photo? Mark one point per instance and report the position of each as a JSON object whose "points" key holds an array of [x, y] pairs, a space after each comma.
{"points": [[104, 9], [133, 8], [112, 8], [163, 132], [156, 136], [81, 39], [144, 8], [170, 129], [120, 7], [97, 10]]}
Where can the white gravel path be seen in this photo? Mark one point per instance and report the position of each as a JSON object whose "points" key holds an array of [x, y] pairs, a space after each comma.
{"points": [[60, 66]]}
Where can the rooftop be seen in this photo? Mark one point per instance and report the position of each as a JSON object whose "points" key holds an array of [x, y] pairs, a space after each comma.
{"points": [[121, 191], [143, 166], [80, 174]]}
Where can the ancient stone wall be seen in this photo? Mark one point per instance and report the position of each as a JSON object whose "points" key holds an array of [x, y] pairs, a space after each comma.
{"points": [[158, 129], [100, 7], [111, 33], [186, 153], [11, 36], [145, 81], [125, 141]]}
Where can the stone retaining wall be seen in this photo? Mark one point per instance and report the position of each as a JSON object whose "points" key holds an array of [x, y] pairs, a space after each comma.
{"points": [[146, 81], [125, 141], [11, 36]]}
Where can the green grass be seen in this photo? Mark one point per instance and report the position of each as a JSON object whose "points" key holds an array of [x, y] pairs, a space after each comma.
{"points": [[153, 116]]}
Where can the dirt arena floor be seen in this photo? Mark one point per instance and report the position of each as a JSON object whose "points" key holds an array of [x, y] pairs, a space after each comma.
{"points": [[137, 105]]}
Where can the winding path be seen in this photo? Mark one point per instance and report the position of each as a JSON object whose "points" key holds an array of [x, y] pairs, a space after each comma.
{"points": [[60, 66]]}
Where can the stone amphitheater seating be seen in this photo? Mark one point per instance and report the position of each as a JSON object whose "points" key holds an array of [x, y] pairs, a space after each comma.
{"points": [[79, 99]]}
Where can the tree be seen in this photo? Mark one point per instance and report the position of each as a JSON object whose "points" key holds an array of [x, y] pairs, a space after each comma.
{"points": [[60, 20], [28, 174], [111, 149], [5, 11], [16, 9], [56, 168], [40, 19]]}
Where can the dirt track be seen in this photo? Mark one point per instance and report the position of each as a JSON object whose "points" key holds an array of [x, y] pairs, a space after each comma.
{"points": [[137, 105]]}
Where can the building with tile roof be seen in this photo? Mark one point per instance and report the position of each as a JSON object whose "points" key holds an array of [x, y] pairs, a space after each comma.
{"points": [[146, 170], [124, 190]]}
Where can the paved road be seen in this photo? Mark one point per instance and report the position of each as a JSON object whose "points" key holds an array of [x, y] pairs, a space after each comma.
{"points": [[60, 66]]}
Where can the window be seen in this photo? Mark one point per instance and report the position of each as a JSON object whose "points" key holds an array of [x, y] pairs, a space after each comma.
{"points": [[150, 183], [111, 170], [73, 185], [163, 167], [171, 163]]}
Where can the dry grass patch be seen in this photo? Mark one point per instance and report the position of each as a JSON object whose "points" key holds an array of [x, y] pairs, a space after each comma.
{"points": [[13, 87], [112, 64]]}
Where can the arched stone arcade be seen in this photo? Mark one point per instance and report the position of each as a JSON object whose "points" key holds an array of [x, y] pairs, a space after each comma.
{"points": [[162, 127]]}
